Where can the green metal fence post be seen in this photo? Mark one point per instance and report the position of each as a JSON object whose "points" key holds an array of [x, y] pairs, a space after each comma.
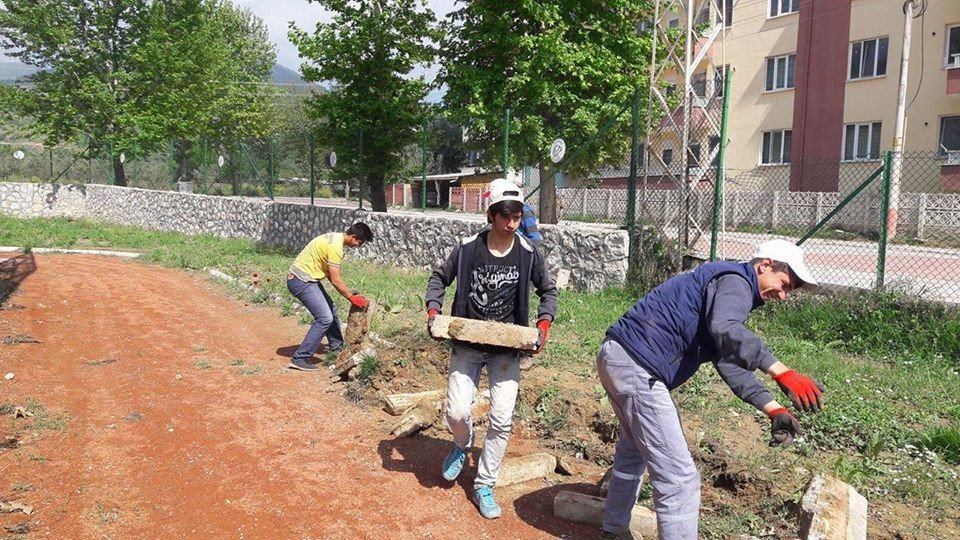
{"points": [[632, 180], [884, 208], [423, 187], [506, 140], [313, 176], [721, 151]]}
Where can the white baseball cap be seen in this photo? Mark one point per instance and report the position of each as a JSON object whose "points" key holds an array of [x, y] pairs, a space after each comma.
{"points": [[790, 254], [500, 190]]}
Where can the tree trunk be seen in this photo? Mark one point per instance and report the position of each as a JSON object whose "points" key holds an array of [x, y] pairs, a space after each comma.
{"points": [[378, 199], [180, 151], [548, 196], [119, 178]]}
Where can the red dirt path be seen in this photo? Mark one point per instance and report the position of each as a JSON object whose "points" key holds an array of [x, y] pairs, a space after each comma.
{"points": [[229, 451]]}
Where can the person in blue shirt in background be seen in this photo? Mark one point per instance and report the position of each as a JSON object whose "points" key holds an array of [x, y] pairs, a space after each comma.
{"points": [[528, 229]]}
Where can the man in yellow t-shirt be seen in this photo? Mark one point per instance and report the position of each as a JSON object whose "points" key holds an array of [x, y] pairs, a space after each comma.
{"points": [[320, 260]]}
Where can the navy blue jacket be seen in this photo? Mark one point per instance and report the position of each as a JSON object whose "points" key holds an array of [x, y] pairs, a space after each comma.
{"points": [[699, 317]]}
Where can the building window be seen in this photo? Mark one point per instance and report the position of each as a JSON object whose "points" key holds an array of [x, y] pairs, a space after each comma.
{"points": [[868, 58], [699, 83], [949, 134], [776, 147], [667, 155], [693, 155], [953, 47], [673, 23], [782, 7], [718, 78], [727, 13], [861, 141], [780, 72], [713, 144]]}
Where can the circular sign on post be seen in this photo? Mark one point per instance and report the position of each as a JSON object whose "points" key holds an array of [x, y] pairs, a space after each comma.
{"points": [[220, 161], [332, 159], [18, 154], [557, 150], [123, 157]]}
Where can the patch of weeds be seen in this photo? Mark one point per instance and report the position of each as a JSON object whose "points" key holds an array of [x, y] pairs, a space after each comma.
{"points": [[236, 362], [330, 358], [198, 348], [202, 364], [369, 367], [107, 516], [305, 317], [552, 410], [38, 459], [21, 487], [858, 472], [17, 339], [286, 309], [945, 442], [251, 370], [7, 408], [43, 419], [356, 389]]}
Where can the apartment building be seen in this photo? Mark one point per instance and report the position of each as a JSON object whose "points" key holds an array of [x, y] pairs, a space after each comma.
{"points": [[814, 89]]}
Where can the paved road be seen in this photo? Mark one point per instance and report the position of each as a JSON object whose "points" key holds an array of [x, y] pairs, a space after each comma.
{"points": [[933, 273]]}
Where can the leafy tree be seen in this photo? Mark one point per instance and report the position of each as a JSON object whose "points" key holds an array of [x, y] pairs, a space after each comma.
{"points": [[368, 53], [126, 76], [562, 67]]}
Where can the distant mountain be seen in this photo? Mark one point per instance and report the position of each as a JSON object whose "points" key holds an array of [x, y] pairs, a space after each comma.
{"points": [[285, 75], [11, 72]]}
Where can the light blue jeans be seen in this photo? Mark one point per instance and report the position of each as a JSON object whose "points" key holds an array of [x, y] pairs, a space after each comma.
{"points": [[651, 439], [325, 322], [503, 374]]}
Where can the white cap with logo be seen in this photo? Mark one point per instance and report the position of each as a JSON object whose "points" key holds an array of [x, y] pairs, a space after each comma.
{"points": [[790, 254], [501, 190]]}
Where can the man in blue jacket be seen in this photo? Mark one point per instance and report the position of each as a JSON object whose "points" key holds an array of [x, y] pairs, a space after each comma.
{"points": [[494, 271], [659, 343]]}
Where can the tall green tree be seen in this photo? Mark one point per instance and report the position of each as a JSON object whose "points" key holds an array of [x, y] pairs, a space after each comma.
{"points": [[126, 76], [562, 67], [368, 54]]}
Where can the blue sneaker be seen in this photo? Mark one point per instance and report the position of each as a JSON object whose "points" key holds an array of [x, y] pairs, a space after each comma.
{"points": [[453, 463], [483, 496]]}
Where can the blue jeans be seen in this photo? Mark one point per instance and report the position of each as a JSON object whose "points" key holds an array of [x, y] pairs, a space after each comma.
{"points": [[325, 322]]}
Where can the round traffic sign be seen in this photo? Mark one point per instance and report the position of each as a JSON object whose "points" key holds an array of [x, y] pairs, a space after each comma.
{"points": [[557, 150], [332, 159], [220, 161], [18, 154], [123, 157]]}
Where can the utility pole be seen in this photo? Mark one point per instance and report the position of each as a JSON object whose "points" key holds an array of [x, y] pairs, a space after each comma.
{"points": [[900, 123]]}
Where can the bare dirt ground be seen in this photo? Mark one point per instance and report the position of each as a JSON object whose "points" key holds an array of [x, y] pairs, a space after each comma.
{"points": [[162, 408]]}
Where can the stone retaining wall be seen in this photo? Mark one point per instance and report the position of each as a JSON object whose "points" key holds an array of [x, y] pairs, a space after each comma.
{"points": [[596, 256]]}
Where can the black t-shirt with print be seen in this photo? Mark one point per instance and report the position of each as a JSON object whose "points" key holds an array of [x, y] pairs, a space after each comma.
{"points": [[493, 285]]}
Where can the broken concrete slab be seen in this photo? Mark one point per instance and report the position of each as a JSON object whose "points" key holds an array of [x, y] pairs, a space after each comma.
{"points": [[344, 366], [530, 467], [397, 404], [485, 332], [832, 510], [583, 508], [418, 418], [563, 278]]}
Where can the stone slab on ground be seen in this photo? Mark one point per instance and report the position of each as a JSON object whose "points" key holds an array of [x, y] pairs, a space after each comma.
{"points": [[418, 418], [397, 404], [530, 467], [583, 508], [832, 510], [485, 332]]}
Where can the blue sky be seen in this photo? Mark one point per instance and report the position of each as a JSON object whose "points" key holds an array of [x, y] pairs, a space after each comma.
{"points": [[278, 13]]}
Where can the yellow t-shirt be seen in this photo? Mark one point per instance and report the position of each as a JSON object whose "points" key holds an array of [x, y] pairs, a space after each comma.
{"points": [[318, 256]]}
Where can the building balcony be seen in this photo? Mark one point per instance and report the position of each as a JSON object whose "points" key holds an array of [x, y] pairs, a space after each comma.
{"points": [[953, 80]]}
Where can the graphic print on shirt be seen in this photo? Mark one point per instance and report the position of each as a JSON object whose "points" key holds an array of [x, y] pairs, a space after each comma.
{"points": [[493, 290]]}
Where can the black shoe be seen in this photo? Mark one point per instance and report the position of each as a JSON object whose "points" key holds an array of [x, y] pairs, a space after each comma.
{"points": [[302, 366]]}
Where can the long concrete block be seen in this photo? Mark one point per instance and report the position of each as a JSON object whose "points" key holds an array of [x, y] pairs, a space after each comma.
{"points": [[832, 510], [485, 332], [583, 508], [397, 404], [530, 467]]}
